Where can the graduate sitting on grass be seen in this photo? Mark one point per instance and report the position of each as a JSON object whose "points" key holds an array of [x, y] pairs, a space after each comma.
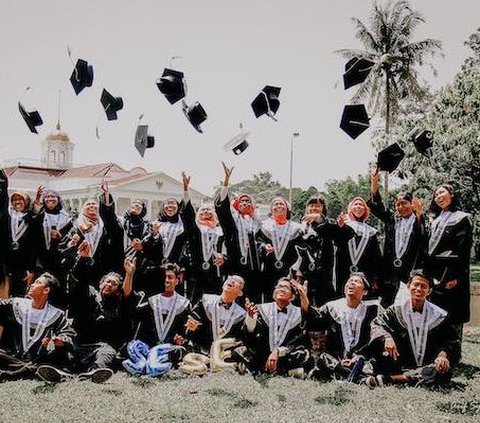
{"points": [[414, 340], [36, 335]]}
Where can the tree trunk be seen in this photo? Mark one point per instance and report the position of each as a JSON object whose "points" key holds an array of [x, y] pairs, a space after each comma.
{"points": [[387, 129]]}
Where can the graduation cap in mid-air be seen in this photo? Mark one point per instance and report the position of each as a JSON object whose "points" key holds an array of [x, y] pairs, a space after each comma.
{"points": [[195, 114], [172, 85], [422, 140], [143, 140], [82, 76], [267, 102], [356, 71], [354, 120], [111, 104], [389, 158], [32, 119], [238, 144]]}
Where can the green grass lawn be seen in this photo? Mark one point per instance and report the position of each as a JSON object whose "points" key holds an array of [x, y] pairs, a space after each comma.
{"points": [[475, 272], [227, 397]]}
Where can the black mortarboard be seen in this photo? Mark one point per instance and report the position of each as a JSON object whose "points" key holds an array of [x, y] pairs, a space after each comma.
{"points": [[423, 141], [356, 71], [111, 104], [172, 85], [82, 76], [32, 119], [143, 140], [267, 102], [196, 114], [238, 144], [354, 120], [389, 158]]}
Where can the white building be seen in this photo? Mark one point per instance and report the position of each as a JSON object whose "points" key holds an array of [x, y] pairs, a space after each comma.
{"points": [[76, 184]]}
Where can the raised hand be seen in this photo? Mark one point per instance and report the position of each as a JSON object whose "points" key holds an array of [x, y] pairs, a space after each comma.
{"points": [[38, 197], [228, 172], [130, 264], [186, 181], [104, 188], [251, 308], [374, 182]]}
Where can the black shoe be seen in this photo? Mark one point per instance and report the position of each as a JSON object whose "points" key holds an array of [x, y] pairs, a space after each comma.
{"points": [[53, 375], [96, 375]]}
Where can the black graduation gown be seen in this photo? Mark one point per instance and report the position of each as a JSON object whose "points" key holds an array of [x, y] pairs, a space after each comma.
{"points": [[4, 224], [329, 318], [440, 337], [109, 254], [318, 269], [147, 317], [294, 340], [95, 318], [56, 324], [369, 263], [414, 255], [271, 272], [19, 257], [457, 238], [199, 279], [149, 260], [203, 311], [247, 267]]}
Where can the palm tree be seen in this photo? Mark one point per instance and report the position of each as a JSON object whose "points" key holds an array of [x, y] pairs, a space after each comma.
{"points": [[388, 44]]}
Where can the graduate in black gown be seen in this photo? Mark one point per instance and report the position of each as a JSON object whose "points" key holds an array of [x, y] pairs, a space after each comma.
{"points": [[274, 336], [205, 272], [318, 254], [52, 225], [19, 220], [357, 246], [102, 317], [451, 239], [406, 238], [277, 238], [143, 241], [162, 317], [99, 226], [239, 224], [347, 323], [217, 317], [413, 342], [35, 335], [172, 232]]}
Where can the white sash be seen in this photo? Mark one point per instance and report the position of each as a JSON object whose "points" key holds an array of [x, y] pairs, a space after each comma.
{"points": [[169, 232], [350, 320], [403, 232], [177, 305], [93, 236], [22, 308], [59, 220], [439, 225], [432, 316], [234, 314], [18, 225], [280, 235], [365, 231], [245, 225], [276, 332], [209, 238]]}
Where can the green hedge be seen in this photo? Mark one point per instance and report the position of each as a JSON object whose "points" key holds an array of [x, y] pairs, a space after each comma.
{"points": [[475, 272]]}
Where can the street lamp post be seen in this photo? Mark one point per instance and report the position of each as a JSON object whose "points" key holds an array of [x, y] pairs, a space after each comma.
{"points": [[294, 135]]}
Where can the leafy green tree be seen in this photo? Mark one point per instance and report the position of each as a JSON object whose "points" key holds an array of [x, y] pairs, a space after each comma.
{"points": [[387, 42], [454, 118], [300, 202]]}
